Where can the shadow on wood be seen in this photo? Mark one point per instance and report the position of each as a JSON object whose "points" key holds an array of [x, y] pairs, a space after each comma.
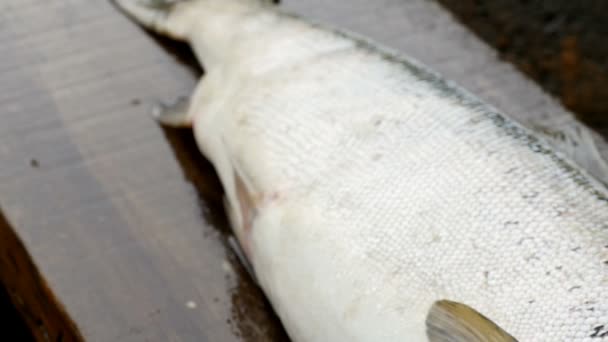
{"points": [[41, 311], [251, 311], [12, 323]]}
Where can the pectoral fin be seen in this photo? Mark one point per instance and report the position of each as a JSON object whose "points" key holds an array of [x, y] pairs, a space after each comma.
{"points": [[455, 322], [241, 216], [240, 254], [577, 142], [175, 114], [168, 17]]}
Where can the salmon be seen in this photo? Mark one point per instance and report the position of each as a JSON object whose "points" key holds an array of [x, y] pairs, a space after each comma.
{"points": [[376, 200]]}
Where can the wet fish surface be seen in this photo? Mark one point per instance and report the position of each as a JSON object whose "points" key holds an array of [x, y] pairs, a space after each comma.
{"points": [[377, 201]]}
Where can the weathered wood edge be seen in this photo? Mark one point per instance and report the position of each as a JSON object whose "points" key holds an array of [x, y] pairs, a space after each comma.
{"points": [[42, 312]]}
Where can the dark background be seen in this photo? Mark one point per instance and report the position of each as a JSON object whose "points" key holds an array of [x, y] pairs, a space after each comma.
{"points": [[12, 325], [561, 44]]}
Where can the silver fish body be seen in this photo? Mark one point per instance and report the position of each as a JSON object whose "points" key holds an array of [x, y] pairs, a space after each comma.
{"points": [[364, 188]]}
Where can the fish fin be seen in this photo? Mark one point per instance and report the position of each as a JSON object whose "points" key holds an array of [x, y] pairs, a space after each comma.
{"points": [[247, 203], [577, 142], [241, 213], [449, 321], [175, 114], [237, 248], [240, 253], [167, 17]]}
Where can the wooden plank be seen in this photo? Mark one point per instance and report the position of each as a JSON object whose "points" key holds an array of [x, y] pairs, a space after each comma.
{"points": [[124, 219], [39, 309], [129, 234]]}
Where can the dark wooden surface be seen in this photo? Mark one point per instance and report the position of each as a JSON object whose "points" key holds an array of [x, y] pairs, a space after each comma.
{"points": [[562, 44], [40, 313], [12, 323], [124, 219]]}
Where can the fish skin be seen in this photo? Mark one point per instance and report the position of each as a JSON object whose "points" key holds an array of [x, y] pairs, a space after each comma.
{"points": [[379, 188]]}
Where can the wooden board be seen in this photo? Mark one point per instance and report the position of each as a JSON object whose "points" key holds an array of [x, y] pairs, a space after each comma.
{"points": [[122, 218]]}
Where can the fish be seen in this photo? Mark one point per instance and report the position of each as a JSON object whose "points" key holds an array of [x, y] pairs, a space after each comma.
{"points": [[376, 200]]}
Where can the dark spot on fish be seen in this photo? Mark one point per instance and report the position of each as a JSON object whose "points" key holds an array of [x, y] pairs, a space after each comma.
{"points": [[576, 287], [511, 170], [522, 240], [574, 309], [557, 135], [135, 102], [531, 194], [606, 262], [599, 331], [576, 249], [537, 148], [34, 163], [476, 120], [559, 211], [531, 257], [511, 223], [377, 122], [377, 157], [531, 301], [559, 268]]}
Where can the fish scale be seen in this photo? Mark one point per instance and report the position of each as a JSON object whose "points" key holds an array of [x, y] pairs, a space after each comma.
{"points": [[388, 203], [433, 173]]}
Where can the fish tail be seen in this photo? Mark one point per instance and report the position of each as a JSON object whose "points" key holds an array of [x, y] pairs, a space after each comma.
{"points": [[172, 18]]}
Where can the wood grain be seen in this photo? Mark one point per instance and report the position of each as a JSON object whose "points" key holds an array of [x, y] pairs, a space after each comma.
{"points": [[122, 218], [43, 314], [129, 234]]}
